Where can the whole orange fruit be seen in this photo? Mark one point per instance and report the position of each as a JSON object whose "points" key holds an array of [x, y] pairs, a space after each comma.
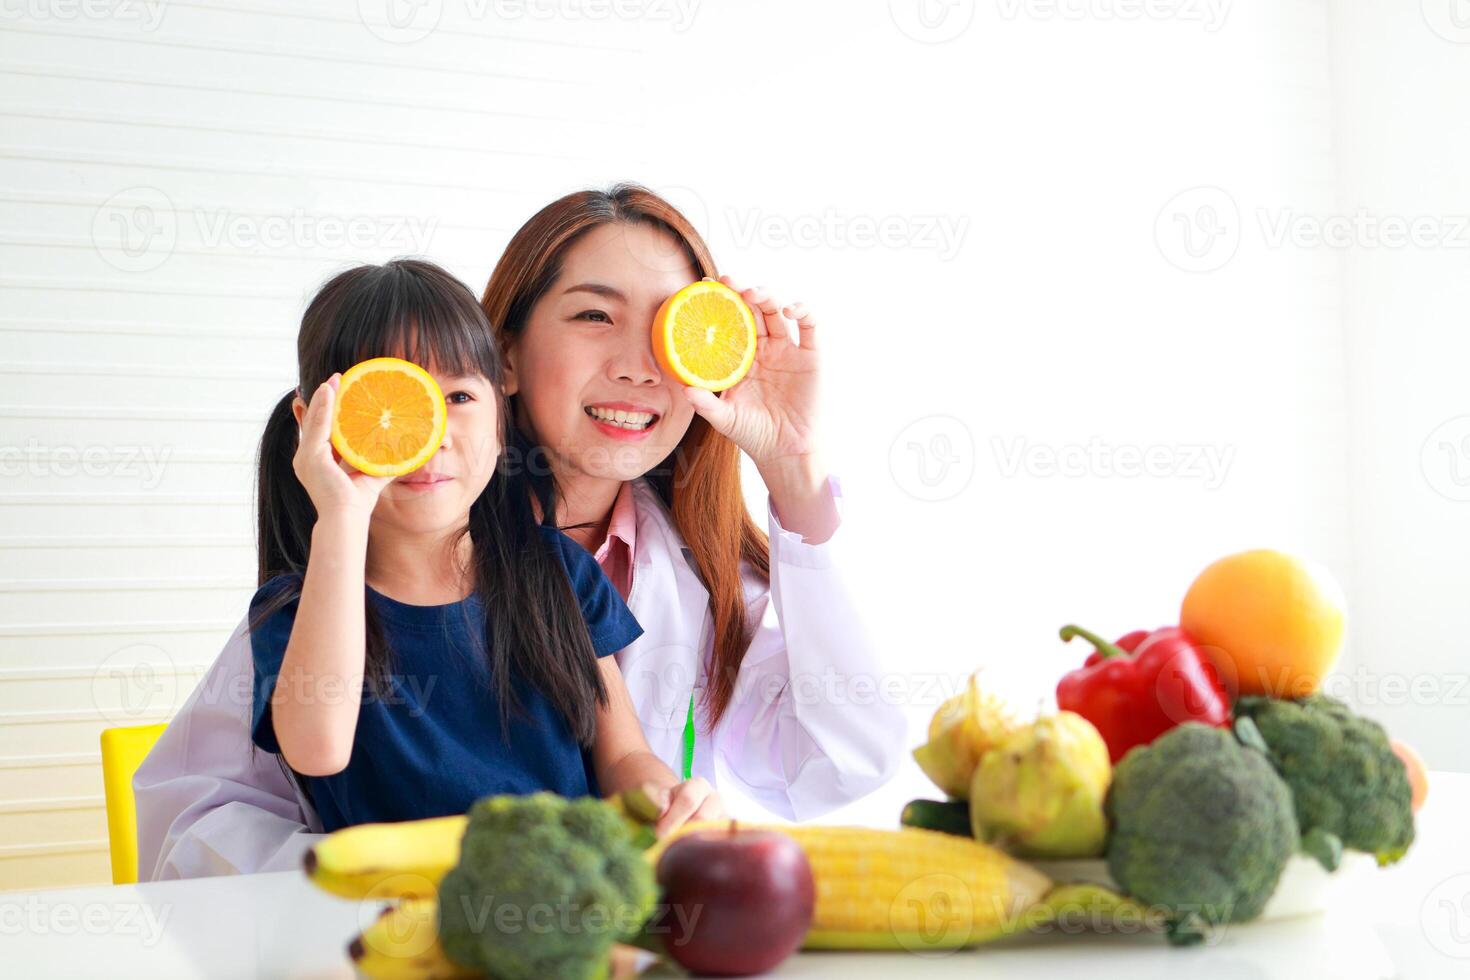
{"points": [[1418, 775], [1272, 623]]}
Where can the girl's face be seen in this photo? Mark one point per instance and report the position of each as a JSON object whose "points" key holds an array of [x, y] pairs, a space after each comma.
{"points": [[591, 390], [437, 496]]}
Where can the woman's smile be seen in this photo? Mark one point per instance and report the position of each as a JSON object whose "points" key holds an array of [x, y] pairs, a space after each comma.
{"points": [[622, 420]]}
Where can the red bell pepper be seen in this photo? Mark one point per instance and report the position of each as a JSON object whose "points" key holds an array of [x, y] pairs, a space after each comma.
{"points": [[1140, 687]]}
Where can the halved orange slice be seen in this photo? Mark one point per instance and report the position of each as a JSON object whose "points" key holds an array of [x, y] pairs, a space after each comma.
{"points": [[389, 418], [704, 335]]}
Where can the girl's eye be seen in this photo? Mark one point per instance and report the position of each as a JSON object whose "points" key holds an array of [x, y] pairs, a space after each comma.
{"points": [[453, 395], [596, 316]]}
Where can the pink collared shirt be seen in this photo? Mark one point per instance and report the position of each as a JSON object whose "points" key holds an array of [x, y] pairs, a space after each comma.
{"points": [[615, 554]]}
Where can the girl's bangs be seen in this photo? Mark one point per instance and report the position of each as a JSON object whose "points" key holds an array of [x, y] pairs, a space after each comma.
{"points": [[438, 325]]}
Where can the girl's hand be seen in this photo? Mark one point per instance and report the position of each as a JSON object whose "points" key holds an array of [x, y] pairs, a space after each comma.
{"points": [[771, 413], [693, 799], [334, 486]]}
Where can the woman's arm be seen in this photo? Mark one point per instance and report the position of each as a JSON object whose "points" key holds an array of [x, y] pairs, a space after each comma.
{"points": [[206, 804], [814, 724], [799, 496], [817, 721], [622, 760]]}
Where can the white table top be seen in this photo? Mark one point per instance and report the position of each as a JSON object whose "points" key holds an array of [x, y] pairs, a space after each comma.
{"points": [[1407, 922]]}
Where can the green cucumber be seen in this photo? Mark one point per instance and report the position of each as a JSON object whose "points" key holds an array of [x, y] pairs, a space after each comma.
{"points": [[950, 817]]}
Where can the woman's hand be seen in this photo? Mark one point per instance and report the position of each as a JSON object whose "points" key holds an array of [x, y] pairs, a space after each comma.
{"points": [[771, 413], [693, 799], [335, 488]]}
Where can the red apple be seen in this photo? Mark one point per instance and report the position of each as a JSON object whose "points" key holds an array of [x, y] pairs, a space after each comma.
{"points": [[735, 902]]}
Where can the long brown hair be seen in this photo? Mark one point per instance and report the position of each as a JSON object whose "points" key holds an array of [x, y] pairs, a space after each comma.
{"points": [[700, 479], [533, 621]]}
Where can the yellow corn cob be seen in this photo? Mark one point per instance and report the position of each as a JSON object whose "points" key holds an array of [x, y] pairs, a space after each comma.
{"points": [[906, 889]]}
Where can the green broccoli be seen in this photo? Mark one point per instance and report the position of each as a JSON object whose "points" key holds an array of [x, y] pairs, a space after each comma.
{"points": [[1346, 780], [1201, 826], [543, 888]]}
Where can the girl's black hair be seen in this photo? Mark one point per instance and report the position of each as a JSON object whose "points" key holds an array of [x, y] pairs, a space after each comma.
{"points": [[415, 310]]}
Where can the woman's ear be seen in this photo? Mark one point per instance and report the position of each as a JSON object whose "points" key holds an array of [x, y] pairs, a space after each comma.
{"points": [[298, 409], [512, 380]]}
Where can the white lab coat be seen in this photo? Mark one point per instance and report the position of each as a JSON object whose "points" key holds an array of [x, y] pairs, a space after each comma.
{"points": [[803, 736]]}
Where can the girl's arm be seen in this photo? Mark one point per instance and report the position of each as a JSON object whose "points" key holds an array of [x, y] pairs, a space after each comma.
{"points": [[318, 690], [622, 760]]}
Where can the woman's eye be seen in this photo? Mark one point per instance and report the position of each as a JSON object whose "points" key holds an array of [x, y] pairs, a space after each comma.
{"points": [[453, 395], [596, 316]]}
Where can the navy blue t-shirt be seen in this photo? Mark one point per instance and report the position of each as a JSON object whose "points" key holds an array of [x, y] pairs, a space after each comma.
{"points": [[432, 744]]}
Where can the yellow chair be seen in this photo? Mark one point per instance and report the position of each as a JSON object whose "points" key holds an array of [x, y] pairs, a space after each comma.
{"points": [[123, 751]]}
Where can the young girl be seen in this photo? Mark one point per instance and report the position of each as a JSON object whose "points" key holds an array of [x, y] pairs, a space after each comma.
{"points": [[423, 641]]}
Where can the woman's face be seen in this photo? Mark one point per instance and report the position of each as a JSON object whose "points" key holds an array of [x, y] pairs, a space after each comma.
{"points": [[591, 390]]}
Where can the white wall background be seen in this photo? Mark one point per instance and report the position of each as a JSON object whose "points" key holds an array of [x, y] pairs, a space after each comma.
{"points": [[1047, 242], [1405, 324]]}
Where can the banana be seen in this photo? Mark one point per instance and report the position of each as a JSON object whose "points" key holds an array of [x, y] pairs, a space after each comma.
{"points": [[409, 858], [403, 944], [387, 860], [406, 861]]}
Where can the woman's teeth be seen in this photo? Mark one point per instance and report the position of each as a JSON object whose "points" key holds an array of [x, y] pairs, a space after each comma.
{"points": [[620, 418]]}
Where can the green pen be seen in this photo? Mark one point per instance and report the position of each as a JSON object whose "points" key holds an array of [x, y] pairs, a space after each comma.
{"points": [[689, 739]]}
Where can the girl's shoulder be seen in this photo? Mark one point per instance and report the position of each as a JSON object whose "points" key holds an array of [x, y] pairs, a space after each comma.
{"points": [[271, 617], [270, 593], [569, 552], [589, 582]]}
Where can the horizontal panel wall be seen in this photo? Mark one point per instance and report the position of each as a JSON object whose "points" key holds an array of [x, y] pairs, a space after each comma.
{"points": [[171, 193]]}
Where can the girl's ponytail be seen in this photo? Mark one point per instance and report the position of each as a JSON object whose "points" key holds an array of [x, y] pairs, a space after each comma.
{"points": [[283, 509], [283, 515]]}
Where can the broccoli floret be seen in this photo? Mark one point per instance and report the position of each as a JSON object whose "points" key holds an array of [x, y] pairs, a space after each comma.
{"points": [[1345, 778], [1201, 826], [543, 888]]}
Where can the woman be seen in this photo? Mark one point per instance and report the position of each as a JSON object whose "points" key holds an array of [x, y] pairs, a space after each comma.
{"points": [[746, 637]]}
